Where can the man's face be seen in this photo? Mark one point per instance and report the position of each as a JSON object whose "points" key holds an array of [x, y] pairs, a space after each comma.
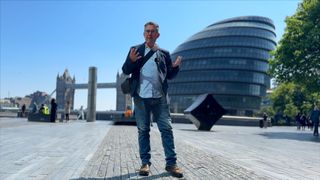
{"points": [[150, 34]]}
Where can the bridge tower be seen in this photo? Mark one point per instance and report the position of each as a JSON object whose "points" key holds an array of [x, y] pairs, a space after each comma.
{"points": [[64, 93], [122, 100]]}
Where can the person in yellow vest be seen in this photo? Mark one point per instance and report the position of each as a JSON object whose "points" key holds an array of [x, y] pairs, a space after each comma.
{"points": [[128, 112], [44, 109]]}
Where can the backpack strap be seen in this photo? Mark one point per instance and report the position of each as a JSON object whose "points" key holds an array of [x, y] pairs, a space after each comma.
{"points": [[147, 57]]}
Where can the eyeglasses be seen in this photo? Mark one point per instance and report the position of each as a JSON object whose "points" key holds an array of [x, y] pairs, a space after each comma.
{"points": [[150, 31]]}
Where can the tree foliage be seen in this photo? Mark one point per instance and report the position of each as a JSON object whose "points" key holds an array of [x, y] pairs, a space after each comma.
{"points": [[289, 99], [297, 56]]}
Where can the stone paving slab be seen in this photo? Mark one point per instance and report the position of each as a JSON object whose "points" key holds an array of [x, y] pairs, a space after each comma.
{"points": [[37, 150], [100, 150]]}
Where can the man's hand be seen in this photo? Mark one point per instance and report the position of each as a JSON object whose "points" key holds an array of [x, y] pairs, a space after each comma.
{"points": [[134, 55], [177, 62]]}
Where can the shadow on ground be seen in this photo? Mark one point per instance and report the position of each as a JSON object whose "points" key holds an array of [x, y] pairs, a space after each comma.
{"points": [[130, 176], [196, 130], [125, 123], [291, 136]]}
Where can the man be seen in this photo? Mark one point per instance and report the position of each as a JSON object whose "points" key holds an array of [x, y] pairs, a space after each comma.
{"points": [[149, 91], [53, 110], [44, 109], [315, 115], [23, 110], [67, 110], [265, 118]]}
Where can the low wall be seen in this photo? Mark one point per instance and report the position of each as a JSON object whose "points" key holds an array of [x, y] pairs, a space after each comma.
{"points": [[176, 118], [225, 120], [180, 118]]}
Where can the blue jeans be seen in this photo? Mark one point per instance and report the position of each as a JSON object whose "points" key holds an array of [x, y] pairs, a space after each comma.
{"points": [[161, 114]]}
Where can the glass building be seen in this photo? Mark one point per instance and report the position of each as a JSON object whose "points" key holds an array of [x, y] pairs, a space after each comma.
{"points": [[228, 59]]}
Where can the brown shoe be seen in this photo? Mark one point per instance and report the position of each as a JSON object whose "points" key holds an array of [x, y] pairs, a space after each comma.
{"points": [[174, 171], [144, 170]]}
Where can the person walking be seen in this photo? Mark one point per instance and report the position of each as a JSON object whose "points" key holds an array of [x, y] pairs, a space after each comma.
{"points": [[265, 118], [315, 115], [303, 121], [67, 110], [150, 68], [81, 113], [34, 108], [53, 110], [298, 121], [23, 110]]}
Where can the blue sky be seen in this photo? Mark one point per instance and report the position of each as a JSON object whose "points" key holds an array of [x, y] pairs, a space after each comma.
{"points": [[40, 39]]}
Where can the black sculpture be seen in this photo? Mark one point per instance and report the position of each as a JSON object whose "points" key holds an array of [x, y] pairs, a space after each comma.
{"points": [[39, 117], [204, 112]]}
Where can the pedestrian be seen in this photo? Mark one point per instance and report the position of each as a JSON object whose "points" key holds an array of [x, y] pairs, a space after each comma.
{"points": [[34, 108], [315, 115], [128, 112], [81, 113], [265, 117], [53, 110], [67, 110], [42, 109], [298, 121], [303, 121], [23, 110], [150, 68], [310, 124]]}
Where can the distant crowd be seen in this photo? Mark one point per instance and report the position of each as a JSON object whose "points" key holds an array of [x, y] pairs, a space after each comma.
{"points": [[302, 120], [52, 111], [311, 121]]}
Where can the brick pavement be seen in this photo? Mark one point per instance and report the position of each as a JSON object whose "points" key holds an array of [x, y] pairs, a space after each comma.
{"points": [[117, 158]]}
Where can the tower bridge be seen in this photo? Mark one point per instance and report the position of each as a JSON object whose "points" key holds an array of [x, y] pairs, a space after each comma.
{"points": [[66, 86], [85, 86]]}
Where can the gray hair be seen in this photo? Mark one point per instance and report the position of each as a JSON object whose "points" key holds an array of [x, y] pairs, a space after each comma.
{"points": [[152, 24]]}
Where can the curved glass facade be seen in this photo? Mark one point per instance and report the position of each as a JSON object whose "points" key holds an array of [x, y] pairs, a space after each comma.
{"points": [[228, 59]]}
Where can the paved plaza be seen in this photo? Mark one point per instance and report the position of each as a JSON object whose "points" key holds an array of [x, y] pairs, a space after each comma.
{"points": [[100, 150]]}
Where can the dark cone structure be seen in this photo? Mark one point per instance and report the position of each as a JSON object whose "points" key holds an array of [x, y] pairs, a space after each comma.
{"points": [[204, 112]]}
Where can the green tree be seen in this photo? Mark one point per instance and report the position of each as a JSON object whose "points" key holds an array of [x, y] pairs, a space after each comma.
{"points": [[290, 110], [282, 96], [266, 109], [297, 56], [289, 99]]}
